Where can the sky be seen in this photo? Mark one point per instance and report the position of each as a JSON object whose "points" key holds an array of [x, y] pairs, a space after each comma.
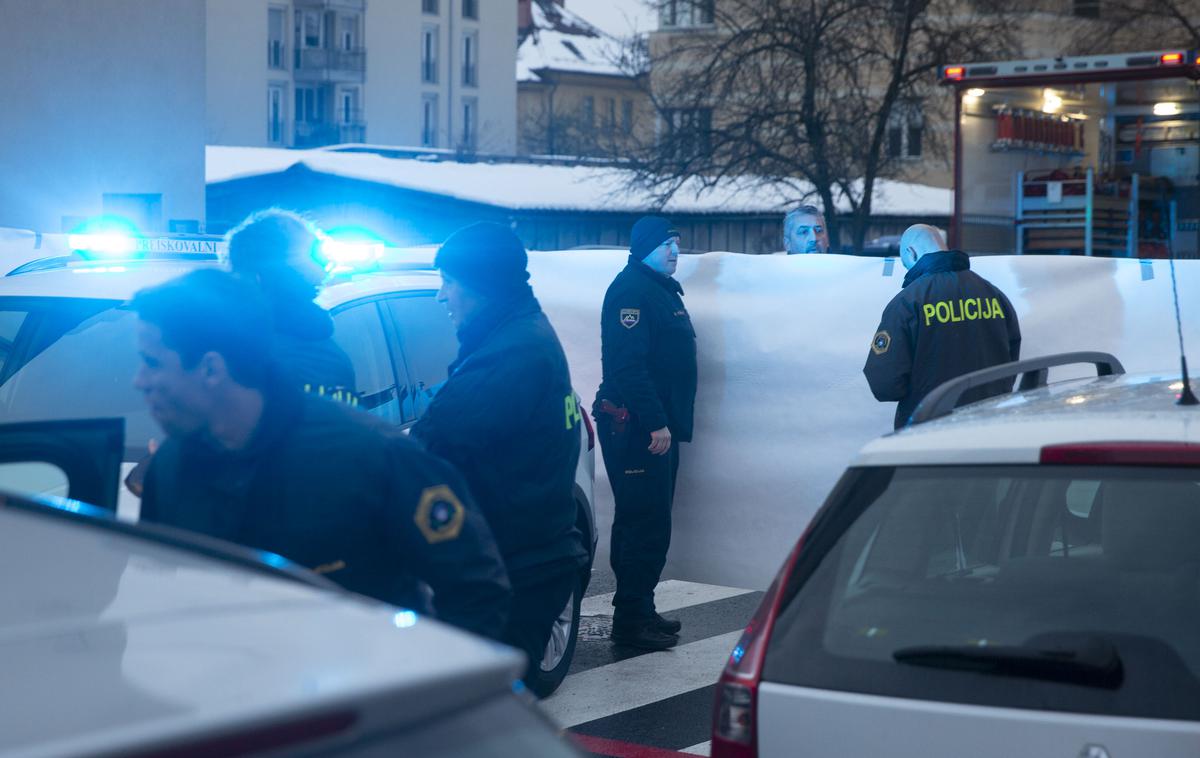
{"points": [[617, 17]]}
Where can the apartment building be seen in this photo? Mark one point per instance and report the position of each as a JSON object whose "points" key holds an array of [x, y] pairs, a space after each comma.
{"points": [[915, 127], [577, 94], [305, 73], [101, 113]]}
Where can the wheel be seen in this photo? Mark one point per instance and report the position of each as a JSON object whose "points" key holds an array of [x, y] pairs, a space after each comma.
{"points": [[560, 648]]}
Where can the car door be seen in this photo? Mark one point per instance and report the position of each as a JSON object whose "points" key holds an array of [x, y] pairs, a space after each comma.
{"points": [[80, 460], [427, 343], [358, 330]]}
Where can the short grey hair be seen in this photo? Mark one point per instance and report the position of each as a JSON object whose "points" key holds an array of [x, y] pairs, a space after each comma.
{"points": [[793, 216]]}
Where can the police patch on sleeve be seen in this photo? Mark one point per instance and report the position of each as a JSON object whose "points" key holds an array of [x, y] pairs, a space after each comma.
{"points": [[440, 514], [881, 343], [630, 317]]}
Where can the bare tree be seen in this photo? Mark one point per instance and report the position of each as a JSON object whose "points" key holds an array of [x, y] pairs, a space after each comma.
{"points": [[810, 93], [1137, 24]]}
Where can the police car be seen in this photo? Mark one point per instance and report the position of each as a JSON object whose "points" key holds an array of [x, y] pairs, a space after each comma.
{"points": [[67, 352], [1018, 576], [131, 640]]}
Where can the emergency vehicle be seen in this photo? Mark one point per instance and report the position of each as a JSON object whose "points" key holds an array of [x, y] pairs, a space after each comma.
{"points": [[1089, 155]]}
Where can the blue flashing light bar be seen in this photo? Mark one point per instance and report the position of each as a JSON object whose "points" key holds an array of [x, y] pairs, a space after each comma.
{"points": [[103, 245]]}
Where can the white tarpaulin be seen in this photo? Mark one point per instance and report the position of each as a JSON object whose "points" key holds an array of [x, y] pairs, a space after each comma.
{"points": [[783, 405]]}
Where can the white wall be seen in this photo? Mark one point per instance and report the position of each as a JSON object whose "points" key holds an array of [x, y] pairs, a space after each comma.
{"points": [[100, 96], [392, 92], [238, 73], [783, 405]]}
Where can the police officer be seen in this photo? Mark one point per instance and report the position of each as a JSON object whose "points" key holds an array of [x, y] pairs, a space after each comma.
{"points": [[507, 418], [279, 251], [804, 231], [251, 459], [947, 321], [643, 411]]}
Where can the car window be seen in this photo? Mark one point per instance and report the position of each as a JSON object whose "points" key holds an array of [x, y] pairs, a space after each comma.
{"points": [[10, 324], [34, 478], [359, 331], [1001, 556], [499, 726], [429, 345], [74, 359]]}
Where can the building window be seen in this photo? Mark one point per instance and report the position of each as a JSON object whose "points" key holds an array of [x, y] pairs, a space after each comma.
{"points": [[587, 112], [1087, 8], [470, 126], [429, 46], [906, 126], [470, 62], [348, 106], [429, 6], [610, 113], [275, 114], [429, 114], [470, 9], [348, 32], [276, 52], [688, 131], [309, 28], [685, 13], [627, 116], [144, 211], [310, 105]]}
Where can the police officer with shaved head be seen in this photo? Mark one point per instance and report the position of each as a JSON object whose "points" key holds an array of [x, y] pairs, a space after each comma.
{"points": [[946, 321], [643, 412]]}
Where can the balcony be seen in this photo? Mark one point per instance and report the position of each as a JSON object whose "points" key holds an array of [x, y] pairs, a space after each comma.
{"points": [[317, 134], [318, 64], [342, 5]]}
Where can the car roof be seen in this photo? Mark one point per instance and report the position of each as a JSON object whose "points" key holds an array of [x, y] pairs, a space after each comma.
{"points": [[119, 281], [115, 642], [1014, 428]]}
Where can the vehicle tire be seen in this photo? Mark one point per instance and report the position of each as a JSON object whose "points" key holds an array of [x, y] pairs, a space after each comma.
{"points": [[550, 672]]}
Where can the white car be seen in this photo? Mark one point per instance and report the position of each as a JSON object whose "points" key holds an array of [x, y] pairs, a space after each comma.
{"points": [[1017, 577], [67, 352], [131, 640]]}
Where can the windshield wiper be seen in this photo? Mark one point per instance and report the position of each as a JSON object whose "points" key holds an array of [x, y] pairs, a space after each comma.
{"points": [[1087, 660]]}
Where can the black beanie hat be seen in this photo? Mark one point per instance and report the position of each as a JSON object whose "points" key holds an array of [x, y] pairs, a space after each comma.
{"points": [[486, 257], [648, 233]]}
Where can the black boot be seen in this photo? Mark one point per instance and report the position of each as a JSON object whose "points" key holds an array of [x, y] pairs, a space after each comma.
{"points": [[643, 633], [667, 626]]}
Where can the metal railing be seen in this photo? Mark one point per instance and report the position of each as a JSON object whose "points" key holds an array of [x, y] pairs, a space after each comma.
{"points": [[320, 60]]}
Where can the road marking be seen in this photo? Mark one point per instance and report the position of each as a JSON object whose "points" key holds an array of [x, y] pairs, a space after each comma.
{"points": [[704, 748], [670, 595], [619, 749], [639, 681]]}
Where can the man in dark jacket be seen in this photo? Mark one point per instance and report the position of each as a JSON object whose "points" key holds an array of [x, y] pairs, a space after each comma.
{"points": [[643, 411], [946, 322], [507, 419], [279, 251], [251, 459]]}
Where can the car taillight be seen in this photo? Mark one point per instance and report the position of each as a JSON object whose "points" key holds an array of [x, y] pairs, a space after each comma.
{"points": [[587, 421], [735, 712], [1171, 59], [276, 738], [1122, 454], [955, 73]]}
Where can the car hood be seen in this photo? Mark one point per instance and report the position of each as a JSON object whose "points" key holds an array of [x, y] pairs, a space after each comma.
{"points": [[108, 642]]}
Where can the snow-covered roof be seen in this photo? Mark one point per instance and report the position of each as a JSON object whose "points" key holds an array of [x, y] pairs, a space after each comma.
{"points": [[524, 186], [560, 40]]}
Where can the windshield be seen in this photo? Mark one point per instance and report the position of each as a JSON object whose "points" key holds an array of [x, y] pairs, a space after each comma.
{"points": [[918, 579], [66, 358]]}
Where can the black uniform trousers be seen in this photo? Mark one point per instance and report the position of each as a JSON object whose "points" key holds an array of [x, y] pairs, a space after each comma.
{"points": [[643, 486], [536, 605]]}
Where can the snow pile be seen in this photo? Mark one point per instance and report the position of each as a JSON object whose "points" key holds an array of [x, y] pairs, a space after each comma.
{"points": [[523, 186], [783, 405]]}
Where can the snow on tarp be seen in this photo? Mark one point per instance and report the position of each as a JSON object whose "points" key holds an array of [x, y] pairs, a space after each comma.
{"points": [[523, 186], [783, 405]]}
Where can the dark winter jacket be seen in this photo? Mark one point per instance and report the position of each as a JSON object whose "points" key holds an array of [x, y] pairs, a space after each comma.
{"points": [[305, 352], [506, 417], [346, 495], [946, 322], [648, 351]]}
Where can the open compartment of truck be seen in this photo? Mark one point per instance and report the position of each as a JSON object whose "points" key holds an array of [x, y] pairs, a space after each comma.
{"points": [[1088, 155]]}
